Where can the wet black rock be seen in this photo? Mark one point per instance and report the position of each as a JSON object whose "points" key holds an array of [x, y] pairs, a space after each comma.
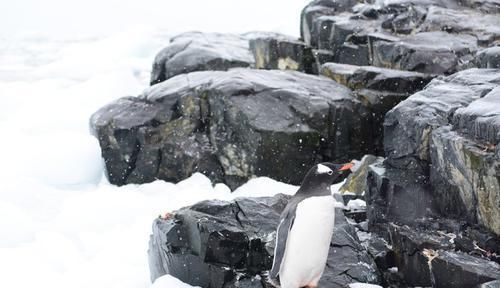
{"points": [[231, 126], [316, 9], [424, 36], [483, 26], [379, 89], [426, 256], [450, 131], [395, 195], [376, 78], [427, 52], [212, 242], [348, 261], [438, 188], [230, 244], [409, 125], [197, 51], [461, 270], [284, 53]]}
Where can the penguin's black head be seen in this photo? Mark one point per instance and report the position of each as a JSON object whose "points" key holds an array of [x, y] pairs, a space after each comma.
{"points": [[322, 175]]}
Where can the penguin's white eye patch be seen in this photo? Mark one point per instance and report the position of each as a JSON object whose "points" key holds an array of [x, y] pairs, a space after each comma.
{"points": [[322, 169]]}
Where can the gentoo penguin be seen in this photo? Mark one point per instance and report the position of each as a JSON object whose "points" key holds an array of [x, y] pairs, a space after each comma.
{"points": [[305, 229]]}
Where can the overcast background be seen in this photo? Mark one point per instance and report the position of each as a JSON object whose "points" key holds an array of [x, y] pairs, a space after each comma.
{"points": [[63, 225], [89, 18]]}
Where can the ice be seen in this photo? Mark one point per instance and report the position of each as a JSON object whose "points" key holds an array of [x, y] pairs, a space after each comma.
{"points": [[62, 223]]}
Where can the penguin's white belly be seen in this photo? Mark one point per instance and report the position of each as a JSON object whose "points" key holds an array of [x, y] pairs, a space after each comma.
{"points": [[308, 242]]}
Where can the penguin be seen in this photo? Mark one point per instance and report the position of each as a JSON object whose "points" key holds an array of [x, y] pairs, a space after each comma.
{"points": [[305, 229]]}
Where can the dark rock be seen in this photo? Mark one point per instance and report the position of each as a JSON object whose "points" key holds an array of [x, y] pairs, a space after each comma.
{"points": [[284, 53], [426, 52], [318, 8], [381, 252], [196, 51], [408, 126], [424, 36], [461, 270], [425, 255], [321, 56], [379, 89], [441, 156], [231, 126], [395, 195], [230, 244], [348, 261], [411, 248], [346, 37], [451, 20], [375, 78], [488, 58], [407, 21], [212, 243], [352, 54], [461, 158], [465, 178]]}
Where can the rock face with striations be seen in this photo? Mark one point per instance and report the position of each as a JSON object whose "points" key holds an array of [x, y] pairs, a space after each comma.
{"points": [[442, 170], [219, 244], [423, 36], [379, 89], [231, 126], [197, 51]]}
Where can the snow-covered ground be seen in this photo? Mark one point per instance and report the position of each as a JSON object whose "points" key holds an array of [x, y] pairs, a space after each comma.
{"points": [[61, 223]]}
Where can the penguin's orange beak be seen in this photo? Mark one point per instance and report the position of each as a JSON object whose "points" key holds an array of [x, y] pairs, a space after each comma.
{"points": [[346, 166]]}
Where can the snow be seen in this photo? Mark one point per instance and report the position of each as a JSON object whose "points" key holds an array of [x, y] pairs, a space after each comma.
{"points": [[356, 205], [168, 281], [62, 223]]}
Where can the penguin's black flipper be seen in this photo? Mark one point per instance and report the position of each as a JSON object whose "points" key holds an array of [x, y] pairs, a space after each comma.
{"points": [[286, 222]]}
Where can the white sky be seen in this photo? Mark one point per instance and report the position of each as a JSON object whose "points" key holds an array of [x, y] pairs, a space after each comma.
{"points": [[84, 18]]}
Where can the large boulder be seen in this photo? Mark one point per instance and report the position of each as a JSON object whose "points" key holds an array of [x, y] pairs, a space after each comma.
{"points": [[379, 89], [428, 52], [438, 188], [274, 51], [221, 244], [408, 126], [316, 9], [427, 256], [465, 163], [197, 51], [450, 131], [231, 126], [485, 27], [425, 36]]}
